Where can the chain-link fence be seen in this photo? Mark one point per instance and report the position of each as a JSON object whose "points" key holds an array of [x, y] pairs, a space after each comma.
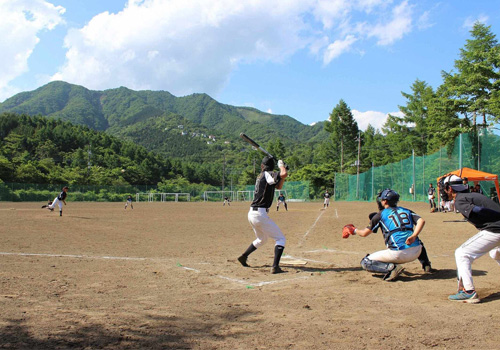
{"points": [[411, 177]]}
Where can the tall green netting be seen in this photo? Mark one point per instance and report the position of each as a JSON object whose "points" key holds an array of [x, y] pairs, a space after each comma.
{"points": [[411, 177]]}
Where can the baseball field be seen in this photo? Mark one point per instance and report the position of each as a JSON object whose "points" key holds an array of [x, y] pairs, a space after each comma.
{"points": [[165, 276]]}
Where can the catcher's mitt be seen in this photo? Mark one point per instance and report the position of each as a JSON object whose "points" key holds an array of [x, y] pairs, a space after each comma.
{"points": [[348, 230]]}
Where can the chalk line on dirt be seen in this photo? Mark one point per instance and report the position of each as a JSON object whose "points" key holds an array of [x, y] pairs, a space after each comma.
{"points": [[74, 256], [260, 284], [310, 228], [309, 260]]}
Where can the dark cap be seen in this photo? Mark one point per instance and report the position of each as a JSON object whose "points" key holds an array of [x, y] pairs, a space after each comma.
{"points": [[268, 163], [65, 188]]}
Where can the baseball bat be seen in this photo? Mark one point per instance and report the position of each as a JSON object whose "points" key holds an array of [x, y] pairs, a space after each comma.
{"points": [[255, 144], [258, 147]]}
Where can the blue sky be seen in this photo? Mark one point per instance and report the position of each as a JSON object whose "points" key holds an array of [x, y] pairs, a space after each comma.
{"points": [[292, 57]]}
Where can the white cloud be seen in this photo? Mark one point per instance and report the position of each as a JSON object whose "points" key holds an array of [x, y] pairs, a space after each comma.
{"points": [[20, 25], [374, 118], [181, 46], [270, 111], [423, 21], [396, 28], [337, 48], [469, 21]]}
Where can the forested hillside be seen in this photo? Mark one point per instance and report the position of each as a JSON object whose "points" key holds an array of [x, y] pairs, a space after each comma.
{"points": [[114, 109], [41, 150]]}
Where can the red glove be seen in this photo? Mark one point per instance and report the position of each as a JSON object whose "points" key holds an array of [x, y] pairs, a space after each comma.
{"points": [[348, 230]]}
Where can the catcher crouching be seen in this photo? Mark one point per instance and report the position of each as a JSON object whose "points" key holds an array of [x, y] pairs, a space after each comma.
{"points": [[400, 227]]}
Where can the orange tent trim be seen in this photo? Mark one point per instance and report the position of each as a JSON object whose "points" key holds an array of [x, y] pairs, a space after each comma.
{"points": [[474, 175]]}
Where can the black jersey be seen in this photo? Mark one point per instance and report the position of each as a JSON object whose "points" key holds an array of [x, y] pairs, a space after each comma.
{"points": [[264, 191], [465, 203], [62, 196]]}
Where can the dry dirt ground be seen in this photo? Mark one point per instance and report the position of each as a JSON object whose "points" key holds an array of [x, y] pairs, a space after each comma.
{"points": [[165, 276]]}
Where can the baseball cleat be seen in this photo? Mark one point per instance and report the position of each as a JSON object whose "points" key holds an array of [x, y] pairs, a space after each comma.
{"points": [[276, 269], [465, 297], [391, 276], [427, 268], [243, 261], [44, 206]]}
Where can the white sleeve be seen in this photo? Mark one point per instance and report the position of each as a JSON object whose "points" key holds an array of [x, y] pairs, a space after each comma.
{"points": [[271, 180]]}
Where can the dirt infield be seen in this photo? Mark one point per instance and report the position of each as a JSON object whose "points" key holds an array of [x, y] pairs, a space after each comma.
{"points": [[165, 276]]}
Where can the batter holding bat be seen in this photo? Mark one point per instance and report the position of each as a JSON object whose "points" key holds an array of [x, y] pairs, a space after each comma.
{"points": [[400, 227], [264, 228]]}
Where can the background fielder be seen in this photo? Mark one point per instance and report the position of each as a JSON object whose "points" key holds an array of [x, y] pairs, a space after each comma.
{"points": [[281, 200], [129, 201], [326, 203], [60, 198]]}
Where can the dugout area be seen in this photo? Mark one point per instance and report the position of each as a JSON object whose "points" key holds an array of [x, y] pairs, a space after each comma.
{"points": [[165, 275]]}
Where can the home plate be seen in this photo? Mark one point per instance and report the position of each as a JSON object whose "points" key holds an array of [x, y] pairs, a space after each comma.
{"points": [[293, 262]]}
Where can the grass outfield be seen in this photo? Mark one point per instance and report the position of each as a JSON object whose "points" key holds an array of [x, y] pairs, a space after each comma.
{"points": [[165, 276]]}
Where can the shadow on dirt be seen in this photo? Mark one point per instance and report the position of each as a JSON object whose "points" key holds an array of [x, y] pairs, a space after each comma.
{"points": [[490, 298], [147, 332]]}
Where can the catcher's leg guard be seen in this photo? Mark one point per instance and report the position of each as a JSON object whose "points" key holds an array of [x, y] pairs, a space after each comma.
{"points": [[424, 258], [376, 266]]}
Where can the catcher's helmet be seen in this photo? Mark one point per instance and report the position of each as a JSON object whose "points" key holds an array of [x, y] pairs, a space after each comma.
{"points": [[456, 183], [389, 195]]}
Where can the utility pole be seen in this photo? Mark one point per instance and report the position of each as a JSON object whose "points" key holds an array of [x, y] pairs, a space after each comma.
{"points": [[357, 179], [223, 171], [341, 153], [89, 163]]}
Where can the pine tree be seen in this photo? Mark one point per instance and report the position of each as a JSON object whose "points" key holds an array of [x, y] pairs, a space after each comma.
{"points": [[476, 84]]}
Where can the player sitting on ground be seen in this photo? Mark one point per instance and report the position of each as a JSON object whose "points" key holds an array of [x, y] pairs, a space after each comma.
{"points": [[400, 227]]}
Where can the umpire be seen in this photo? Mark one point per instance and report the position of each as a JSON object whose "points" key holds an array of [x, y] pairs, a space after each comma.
{"points": [[484, 214], [265, 228]]}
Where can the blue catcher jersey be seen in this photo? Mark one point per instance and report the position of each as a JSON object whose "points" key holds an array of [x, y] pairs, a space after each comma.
{"points": [[397, 225]]}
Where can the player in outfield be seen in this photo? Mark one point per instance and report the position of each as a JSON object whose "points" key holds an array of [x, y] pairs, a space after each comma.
{"points": [[265, 228], [129, 202], [61, 197], [484, 214], [281, 200], [326, 203], [400, 227], [226, 201]]}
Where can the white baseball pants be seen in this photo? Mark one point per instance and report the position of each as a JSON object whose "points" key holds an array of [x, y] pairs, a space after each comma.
{"points": [[397, 256], [474, 248], [54, 202], [264, 228]]}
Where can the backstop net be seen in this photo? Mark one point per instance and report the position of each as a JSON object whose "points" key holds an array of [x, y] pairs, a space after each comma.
{"points": [[411, 177]]}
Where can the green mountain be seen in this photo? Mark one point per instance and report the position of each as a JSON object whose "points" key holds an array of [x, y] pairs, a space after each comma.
{"points": [[140, 115]]}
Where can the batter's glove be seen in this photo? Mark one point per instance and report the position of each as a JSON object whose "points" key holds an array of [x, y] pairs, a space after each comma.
{"points": [[282, 164], [348, 230]]}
